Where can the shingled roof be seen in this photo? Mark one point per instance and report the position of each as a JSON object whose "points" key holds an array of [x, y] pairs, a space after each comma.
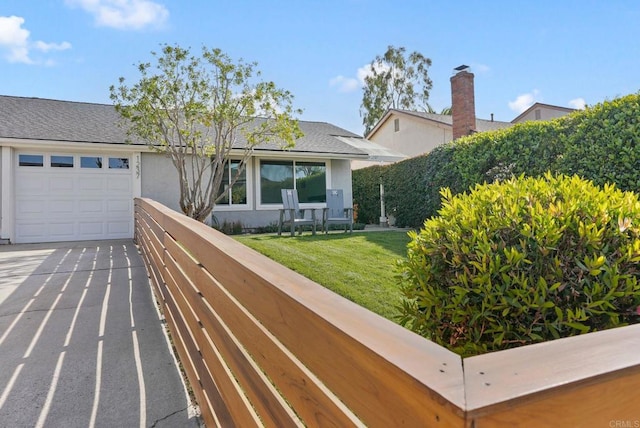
{"points": [[53, 120], [70, 121]]}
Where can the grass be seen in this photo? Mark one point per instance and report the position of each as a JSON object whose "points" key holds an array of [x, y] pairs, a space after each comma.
{"points": [[359, 266]]}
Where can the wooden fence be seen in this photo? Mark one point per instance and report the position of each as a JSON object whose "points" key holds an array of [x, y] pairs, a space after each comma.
{"points": [[263, 346]]}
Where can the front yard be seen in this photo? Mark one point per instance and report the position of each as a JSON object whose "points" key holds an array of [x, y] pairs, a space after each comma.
{"points": [[359, 266]]}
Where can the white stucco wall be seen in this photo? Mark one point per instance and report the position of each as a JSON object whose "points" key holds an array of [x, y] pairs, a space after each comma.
{"points": [[0, 192], [341, 179], [160, 182], [6, 193]]}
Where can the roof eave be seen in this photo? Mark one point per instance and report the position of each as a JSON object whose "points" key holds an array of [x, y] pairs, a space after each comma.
{"points": [[379, 123], [301, 154], [52, 145]]}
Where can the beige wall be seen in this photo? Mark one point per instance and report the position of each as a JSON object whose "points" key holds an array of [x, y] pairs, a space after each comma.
{"points": [[415, 137], [545, 113]]}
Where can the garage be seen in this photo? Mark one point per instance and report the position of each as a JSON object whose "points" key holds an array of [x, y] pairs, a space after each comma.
{"points": [[72, 196]]}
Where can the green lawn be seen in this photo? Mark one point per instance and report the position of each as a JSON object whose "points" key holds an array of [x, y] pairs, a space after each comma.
{"points": [[358, 266]]}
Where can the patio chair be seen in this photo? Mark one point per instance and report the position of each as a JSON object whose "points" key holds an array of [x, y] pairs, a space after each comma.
{"points": [[292, 215], [335, 212]]}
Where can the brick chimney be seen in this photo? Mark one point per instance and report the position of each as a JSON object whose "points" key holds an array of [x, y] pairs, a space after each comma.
{"points": [[463, 105]]}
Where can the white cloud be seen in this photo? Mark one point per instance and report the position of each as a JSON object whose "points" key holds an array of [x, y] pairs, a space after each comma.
{"points": [[15, 43], [578, 103], [46, 47], [14, 39], [524, 101], [345, 84], [351, 84], [124, 14], [367, 70]]}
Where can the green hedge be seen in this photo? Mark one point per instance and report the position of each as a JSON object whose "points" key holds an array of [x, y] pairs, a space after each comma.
{"points": [[601, 143], [420, 179], [604, 144], [366, 193], [529, 148]]}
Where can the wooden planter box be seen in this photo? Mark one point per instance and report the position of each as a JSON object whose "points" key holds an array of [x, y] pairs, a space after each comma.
{"points": [[264, 346]]}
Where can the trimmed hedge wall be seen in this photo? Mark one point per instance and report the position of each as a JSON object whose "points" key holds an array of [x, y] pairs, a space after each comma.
{"points": [[601, 143], [366, 193], [420, 179], [605, 144]]}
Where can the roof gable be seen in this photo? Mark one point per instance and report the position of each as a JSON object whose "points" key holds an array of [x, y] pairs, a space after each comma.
{"points": [[542, 106], [439, 119]]}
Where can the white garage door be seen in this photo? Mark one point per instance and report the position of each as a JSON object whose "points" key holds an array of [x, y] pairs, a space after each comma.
{"points": [[72, 197]]}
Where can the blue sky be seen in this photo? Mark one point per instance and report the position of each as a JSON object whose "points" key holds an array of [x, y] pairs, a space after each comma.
{"points": [[561, 52]]}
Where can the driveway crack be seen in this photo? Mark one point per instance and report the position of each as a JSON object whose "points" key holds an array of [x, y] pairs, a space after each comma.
{"points": [[157, 421]]}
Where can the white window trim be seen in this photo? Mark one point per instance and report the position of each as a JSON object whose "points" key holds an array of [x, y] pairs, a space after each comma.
{"points": [[272, 207], [249, 170], [46, 156], [35, 153], [49, 156], [91, 155]]}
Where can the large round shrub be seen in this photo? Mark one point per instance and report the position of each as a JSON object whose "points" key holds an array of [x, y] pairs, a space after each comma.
{"points": [[524, 261]]}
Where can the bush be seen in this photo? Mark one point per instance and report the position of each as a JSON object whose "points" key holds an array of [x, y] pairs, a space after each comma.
{"points": [[524, 261], [230, 227], [270, 228]]}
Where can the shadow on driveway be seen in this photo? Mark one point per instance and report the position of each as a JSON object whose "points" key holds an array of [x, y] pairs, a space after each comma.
{"points": [[81, 341]]}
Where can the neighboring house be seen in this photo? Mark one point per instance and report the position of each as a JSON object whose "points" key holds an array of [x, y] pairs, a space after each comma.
{"points": [[416, 133], [540, 111], [67, 174]]}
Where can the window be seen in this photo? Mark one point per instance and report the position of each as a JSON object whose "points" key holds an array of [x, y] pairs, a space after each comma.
{"points": [[311, 181], [274, 175], [309, 178], [396, 125], [91, 162], [61, 161], [537, 114], [236, 194], [119, 163], [31, 160]]}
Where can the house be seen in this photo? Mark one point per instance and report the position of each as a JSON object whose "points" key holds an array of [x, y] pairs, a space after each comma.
{"points": [[66, 172], [416, 133], [540, 111]]}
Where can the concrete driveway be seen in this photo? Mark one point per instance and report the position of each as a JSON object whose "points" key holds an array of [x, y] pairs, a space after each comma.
{"points": [[81, 341]]}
